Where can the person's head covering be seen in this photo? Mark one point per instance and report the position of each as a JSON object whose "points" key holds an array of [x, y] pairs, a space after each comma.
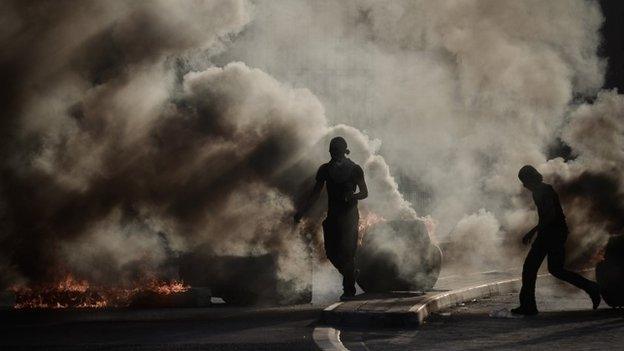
{"points": [[528, 174], [339, 144]]}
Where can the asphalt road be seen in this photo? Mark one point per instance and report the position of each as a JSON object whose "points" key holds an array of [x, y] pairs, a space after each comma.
{"points": [[214, 328], [566, 322]]}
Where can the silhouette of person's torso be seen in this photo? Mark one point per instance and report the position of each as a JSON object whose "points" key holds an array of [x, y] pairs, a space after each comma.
{"points": [[547, 202], [341, 179]]}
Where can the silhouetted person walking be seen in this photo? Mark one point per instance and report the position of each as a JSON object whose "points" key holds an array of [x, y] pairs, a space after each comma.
{"points": [[552, 232], [340, 228]]}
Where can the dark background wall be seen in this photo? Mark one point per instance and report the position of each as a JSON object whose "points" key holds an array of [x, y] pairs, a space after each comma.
{"points": [[613, 46]]}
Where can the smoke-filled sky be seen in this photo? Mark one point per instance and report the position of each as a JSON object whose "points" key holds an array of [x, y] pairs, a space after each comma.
{"points": [[132, 128]]}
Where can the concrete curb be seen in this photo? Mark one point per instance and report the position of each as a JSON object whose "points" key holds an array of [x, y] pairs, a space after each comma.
{"points": [[328, 339], [448, 299], [415, 314]]}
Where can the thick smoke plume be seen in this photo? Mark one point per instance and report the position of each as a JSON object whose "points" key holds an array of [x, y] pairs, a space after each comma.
{"points": [[460, 93], [591, 183], [123, 142], [135, 129]]}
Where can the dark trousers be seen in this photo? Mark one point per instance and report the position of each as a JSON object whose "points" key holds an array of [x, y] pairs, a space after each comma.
{"points": [[340, 235], [556, 258]]}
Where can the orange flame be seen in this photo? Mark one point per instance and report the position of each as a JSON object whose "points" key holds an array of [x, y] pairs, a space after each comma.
{"points": [[73, 293], [168, 288], [71, 284], [368, 220]]}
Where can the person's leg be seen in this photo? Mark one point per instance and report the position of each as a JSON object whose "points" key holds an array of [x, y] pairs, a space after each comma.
{"points": [[348, 250], [332, 244], [556, 260], [529, 274], [339, 252], [348, 277]]}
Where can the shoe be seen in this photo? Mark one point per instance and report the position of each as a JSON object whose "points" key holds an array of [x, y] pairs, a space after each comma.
{"points": [[524, 311], [595, 297], [347, 297]]}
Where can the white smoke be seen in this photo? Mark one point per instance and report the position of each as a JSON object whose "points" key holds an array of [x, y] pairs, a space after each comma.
{"points": [[460, 93], [204, 120], [593, 180], [141, 146]]}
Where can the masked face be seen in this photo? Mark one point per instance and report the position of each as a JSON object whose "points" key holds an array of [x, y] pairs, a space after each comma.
{"points": [[530, 177], [336, 152]]}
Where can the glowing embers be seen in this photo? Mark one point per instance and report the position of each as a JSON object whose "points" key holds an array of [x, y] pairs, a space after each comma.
{"points": [[167, 288], [368, 220], [74, 293]]}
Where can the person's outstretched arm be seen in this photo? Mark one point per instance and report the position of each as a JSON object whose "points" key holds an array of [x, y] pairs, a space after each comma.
{"points": [[321, 176]]}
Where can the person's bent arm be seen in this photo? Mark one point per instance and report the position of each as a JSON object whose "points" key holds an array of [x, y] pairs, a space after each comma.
{"points": [[363, 190], [314, 195], [526, 239]]}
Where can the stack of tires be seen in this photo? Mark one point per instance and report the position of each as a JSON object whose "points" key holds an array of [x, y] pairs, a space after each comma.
{"points": [[610, 272], [398, 256]]}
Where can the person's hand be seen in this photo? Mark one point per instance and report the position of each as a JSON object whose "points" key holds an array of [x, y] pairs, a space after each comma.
{"points": [[349, 196]]}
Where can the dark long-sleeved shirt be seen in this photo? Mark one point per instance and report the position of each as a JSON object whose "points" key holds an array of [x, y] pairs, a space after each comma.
{"points": [[552, 223]]}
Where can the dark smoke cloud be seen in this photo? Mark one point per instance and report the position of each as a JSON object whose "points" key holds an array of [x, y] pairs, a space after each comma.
{"points": [[460, 93], [590, 184], [124, 143], [128, 122], [601, 196], [72, 80]]}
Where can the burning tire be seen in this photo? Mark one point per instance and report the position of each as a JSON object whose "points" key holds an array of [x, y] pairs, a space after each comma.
{"points": [[242, 280], [610, 272], [398, 256]]}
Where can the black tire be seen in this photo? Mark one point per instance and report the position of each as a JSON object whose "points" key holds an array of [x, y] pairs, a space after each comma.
{"points": [[239, 298], [433, 270], [378, 263]]}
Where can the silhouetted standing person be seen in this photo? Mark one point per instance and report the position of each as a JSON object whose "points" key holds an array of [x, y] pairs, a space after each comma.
{"points": [[340, 228], [552, 232]]}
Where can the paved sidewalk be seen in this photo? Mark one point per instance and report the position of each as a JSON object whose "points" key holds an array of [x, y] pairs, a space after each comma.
{"points": [[566, 322], [408, 308]]}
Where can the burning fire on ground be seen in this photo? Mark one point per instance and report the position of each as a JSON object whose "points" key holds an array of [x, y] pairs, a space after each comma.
{"points": [[367, 221], [74, 293]]}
